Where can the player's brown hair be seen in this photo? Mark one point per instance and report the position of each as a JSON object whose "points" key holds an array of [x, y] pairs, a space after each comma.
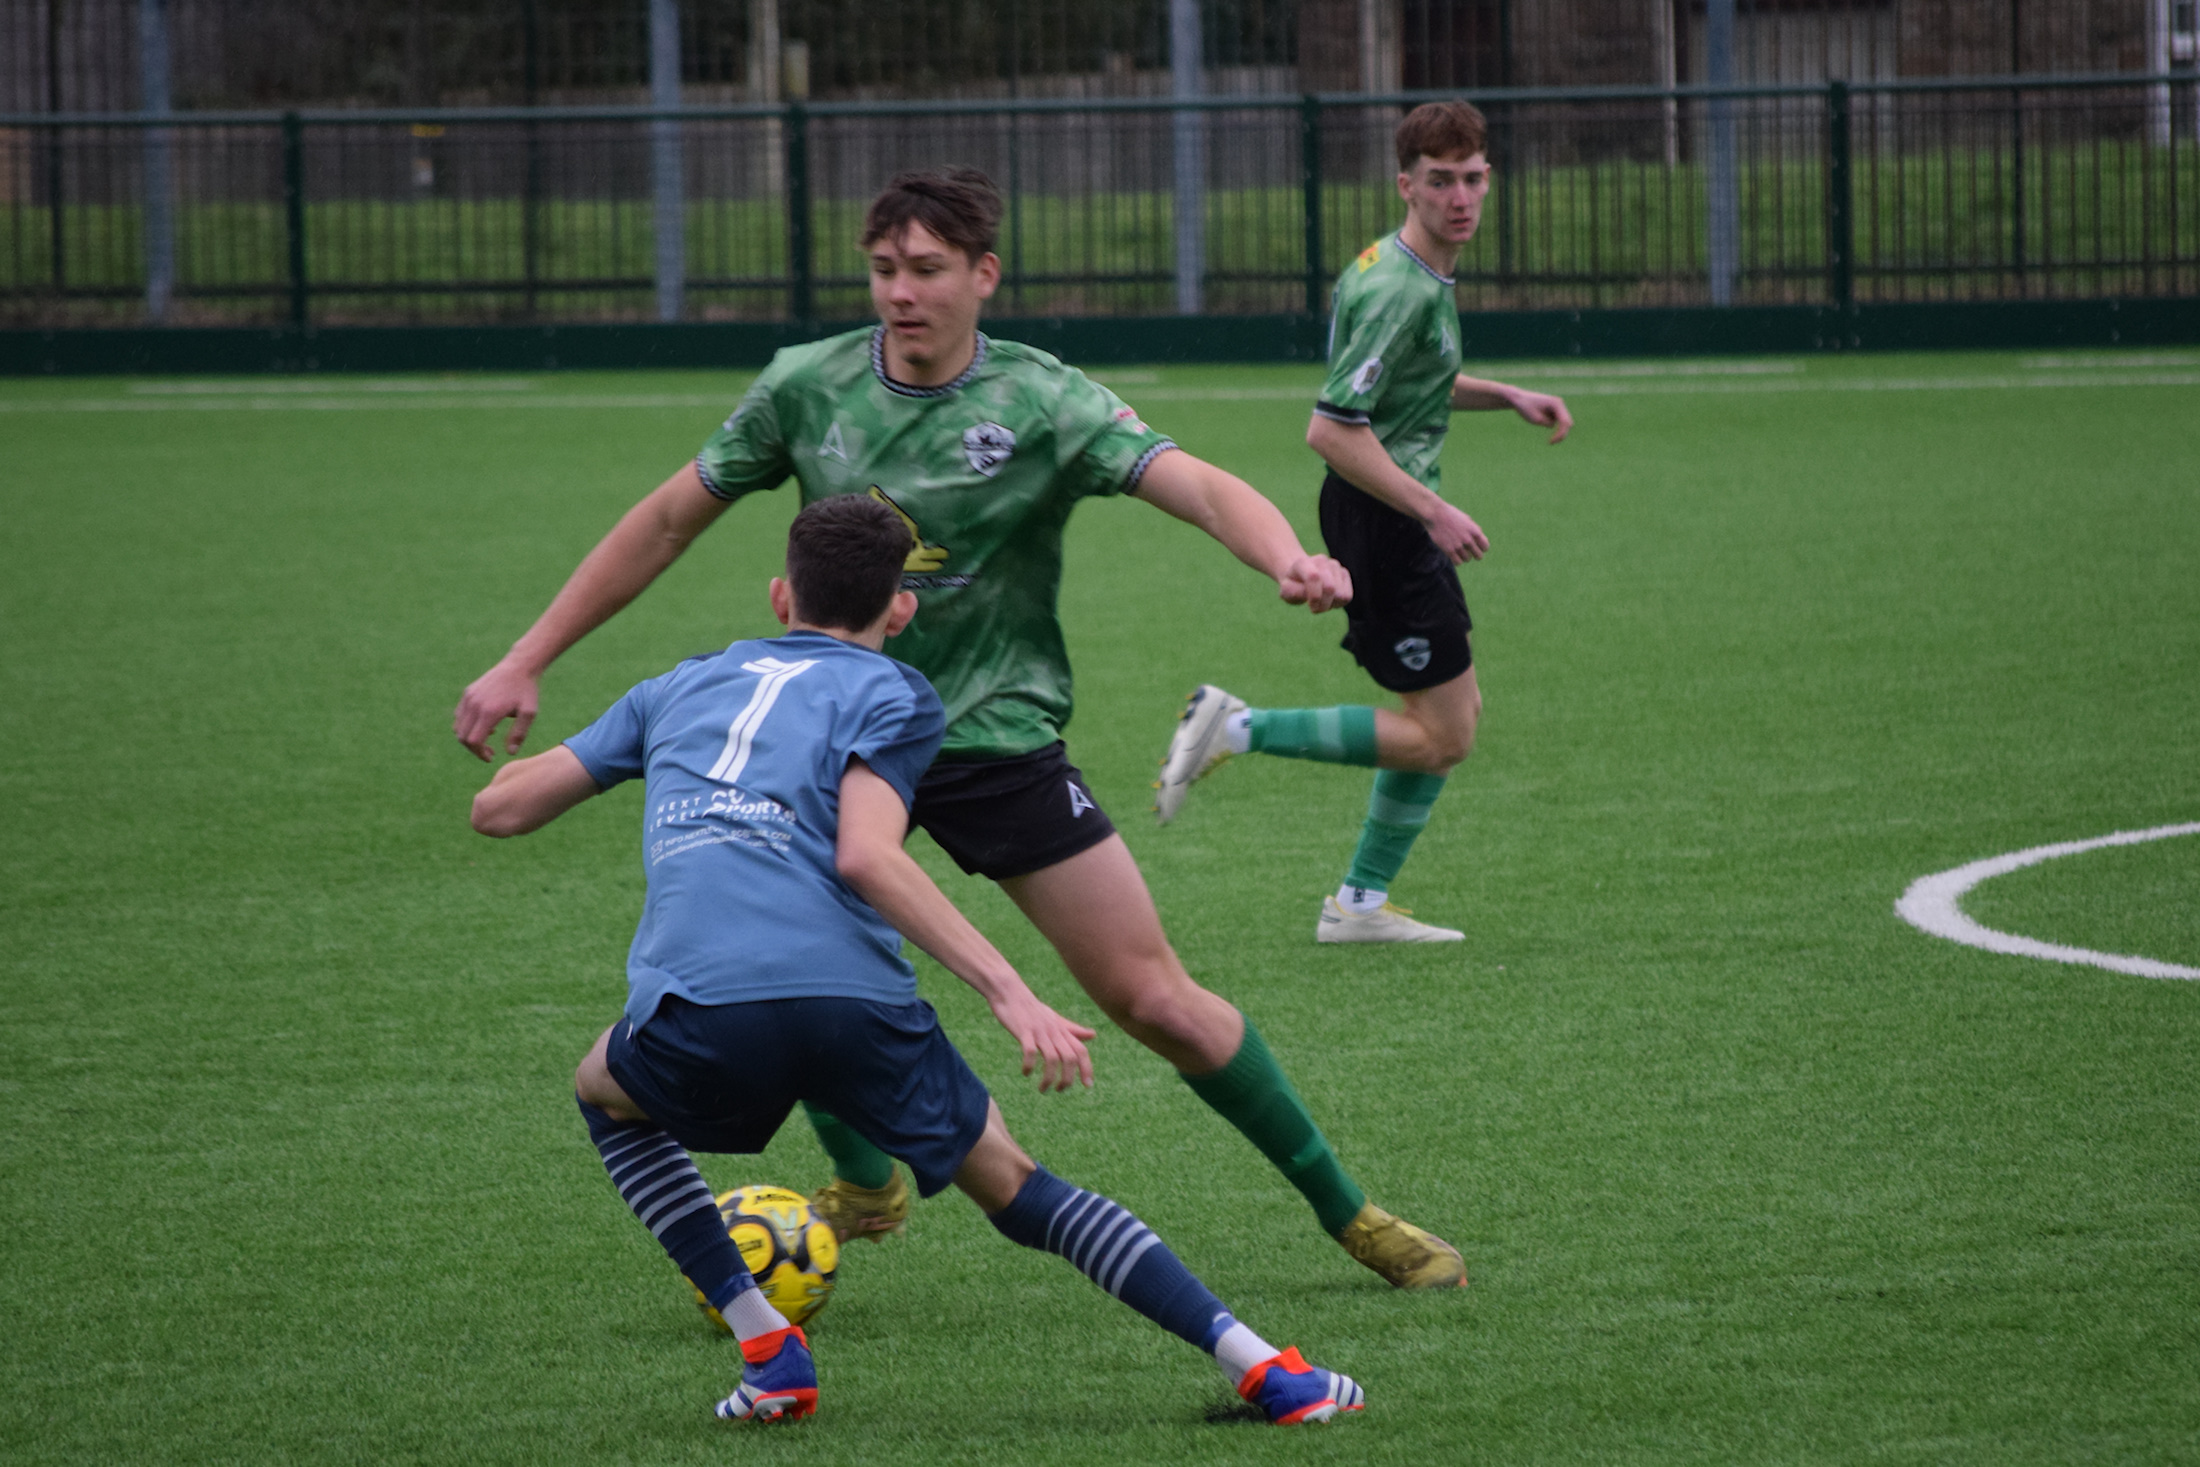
{"points": [[1441, 130], [844, 557], [960, 205]]}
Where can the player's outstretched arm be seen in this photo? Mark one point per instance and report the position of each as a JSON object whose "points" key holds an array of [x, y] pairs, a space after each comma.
{"points": [[647, 538], [870, 857], [1475, 395], [528, 794], [1249, 527], [1359, 458]]}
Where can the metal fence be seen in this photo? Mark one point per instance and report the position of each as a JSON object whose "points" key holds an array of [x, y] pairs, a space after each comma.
{"points": [[2007, 189]]}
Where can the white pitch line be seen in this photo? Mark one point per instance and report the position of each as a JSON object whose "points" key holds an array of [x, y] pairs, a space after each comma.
{"points": [[386, 403], [1931, 905], [398, 402], [1689, 386]]}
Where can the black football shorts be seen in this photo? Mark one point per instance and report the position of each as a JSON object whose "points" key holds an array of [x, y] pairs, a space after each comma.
{"points": [[1407, 622], [1010, 817]]}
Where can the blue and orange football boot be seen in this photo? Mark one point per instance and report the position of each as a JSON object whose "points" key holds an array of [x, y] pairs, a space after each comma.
{"points": [[778, 1379], [1294, 1393]]}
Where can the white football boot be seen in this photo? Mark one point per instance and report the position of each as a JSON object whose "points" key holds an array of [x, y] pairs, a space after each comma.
{"points": [[1200, 743], [1387, 923]]}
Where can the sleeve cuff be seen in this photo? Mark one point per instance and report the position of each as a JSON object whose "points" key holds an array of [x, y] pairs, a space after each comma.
{"points": [[1335, 414], [1145, 460], [710, 485]]}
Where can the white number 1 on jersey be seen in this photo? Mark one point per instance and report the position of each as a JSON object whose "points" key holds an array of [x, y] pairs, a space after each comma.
{"points": [[741, 733]]}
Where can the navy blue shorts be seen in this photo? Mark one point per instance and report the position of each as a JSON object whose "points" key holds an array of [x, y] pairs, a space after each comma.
{"points": [[722, 1077]]}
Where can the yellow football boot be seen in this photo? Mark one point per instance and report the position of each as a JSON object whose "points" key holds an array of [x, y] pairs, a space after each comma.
{"points": [[1410, 1257], [863, 1212]]}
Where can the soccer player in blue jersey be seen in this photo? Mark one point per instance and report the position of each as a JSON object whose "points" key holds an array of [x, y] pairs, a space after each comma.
{"points": [[767, 968]]}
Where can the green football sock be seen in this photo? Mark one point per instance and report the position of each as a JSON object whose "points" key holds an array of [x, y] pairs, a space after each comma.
{"points": [[1397, 809], [854, 1159], [1331, 735], [1252, 1094]]}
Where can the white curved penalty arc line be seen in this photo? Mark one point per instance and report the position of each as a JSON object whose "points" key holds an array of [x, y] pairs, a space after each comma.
{"points": [[1931, 905]]}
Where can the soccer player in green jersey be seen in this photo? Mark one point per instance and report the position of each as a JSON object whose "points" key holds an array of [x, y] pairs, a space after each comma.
{"points": [[1394, 382], [984, 447]]}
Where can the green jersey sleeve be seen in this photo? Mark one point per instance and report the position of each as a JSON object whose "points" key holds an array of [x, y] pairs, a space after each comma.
{"points": [[1101, 444], [748, 452], [1359, 340]]}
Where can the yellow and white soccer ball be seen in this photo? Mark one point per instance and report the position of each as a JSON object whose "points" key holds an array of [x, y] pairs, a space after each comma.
{"points": [[791, 1250]]}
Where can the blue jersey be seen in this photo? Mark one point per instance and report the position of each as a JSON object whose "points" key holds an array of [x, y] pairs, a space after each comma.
{"points": [[743, 753]]}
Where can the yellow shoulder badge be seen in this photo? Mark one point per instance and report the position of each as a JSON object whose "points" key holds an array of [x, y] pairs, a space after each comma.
{"points": [[923, 558], [1370, 255]]}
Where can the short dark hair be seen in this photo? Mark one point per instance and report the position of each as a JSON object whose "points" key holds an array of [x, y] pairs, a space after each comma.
{"points": [[1441, 130], [960, 205], [844, 560]]}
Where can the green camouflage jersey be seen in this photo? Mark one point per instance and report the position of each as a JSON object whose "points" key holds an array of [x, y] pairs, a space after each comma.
{"points": [[985, 470], [1393, 352]]}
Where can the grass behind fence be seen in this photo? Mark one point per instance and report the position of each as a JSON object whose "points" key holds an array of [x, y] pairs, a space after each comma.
{"points": [[2098, 219]]}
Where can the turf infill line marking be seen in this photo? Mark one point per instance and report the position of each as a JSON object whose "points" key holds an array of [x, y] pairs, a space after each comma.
{"points": [[2115, 363], [1931, 905], [386, 403], [457, 385], [404, 402], [1658, 369]]}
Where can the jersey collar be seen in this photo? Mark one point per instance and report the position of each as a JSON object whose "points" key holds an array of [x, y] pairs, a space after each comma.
{"points": [[878, 368], [1403, 249]]}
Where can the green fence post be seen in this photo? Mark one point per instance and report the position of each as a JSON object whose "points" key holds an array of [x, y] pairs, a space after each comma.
{"points": [[294, 212], [1310, 182], [2016, 186], [801, 302], [1840, 204]]}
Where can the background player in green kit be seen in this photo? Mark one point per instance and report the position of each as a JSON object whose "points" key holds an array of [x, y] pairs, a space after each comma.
{"points": [[985, 447], [1394, 382]]}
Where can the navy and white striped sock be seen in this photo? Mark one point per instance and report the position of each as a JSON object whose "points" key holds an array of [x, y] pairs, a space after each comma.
{"points": [[1116, 1251], [658, 1180]]}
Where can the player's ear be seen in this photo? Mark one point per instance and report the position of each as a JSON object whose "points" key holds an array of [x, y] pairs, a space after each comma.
{"points": [[900, 611], [782, 601], [988, 271]]}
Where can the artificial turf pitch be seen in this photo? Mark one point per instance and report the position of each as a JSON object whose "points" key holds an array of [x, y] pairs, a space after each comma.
{"points": [[1745, 1168]]}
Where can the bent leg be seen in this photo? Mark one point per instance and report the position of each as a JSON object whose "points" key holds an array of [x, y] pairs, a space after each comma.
{"points": [[660, 1184], [1435, 730], [1112, 1247], [1096, 911]]}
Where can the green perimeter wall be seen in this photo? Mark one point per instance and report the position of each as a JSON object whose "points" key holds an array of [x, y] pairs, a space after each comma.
{"points": [[1103, 340]]}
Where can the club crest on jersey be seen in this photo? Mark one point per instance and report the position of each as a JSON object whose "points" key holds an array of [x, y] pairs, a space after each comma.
{"points": [[1364, 379], [988, 446], [1413, 652]]}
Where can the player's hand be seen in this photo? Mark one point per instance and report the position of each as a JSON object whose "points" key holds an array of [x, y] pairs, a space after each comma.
{"points": [[1315, 582], [1052, 1044], [1545, 411], [1455, 534], [500, 693]]}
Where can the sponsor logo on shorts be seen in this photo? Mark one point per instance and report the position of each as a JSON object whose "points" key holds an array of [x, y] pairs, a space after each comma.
{"points": [[1412, 651], [1079, 801], [988, 446]]}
